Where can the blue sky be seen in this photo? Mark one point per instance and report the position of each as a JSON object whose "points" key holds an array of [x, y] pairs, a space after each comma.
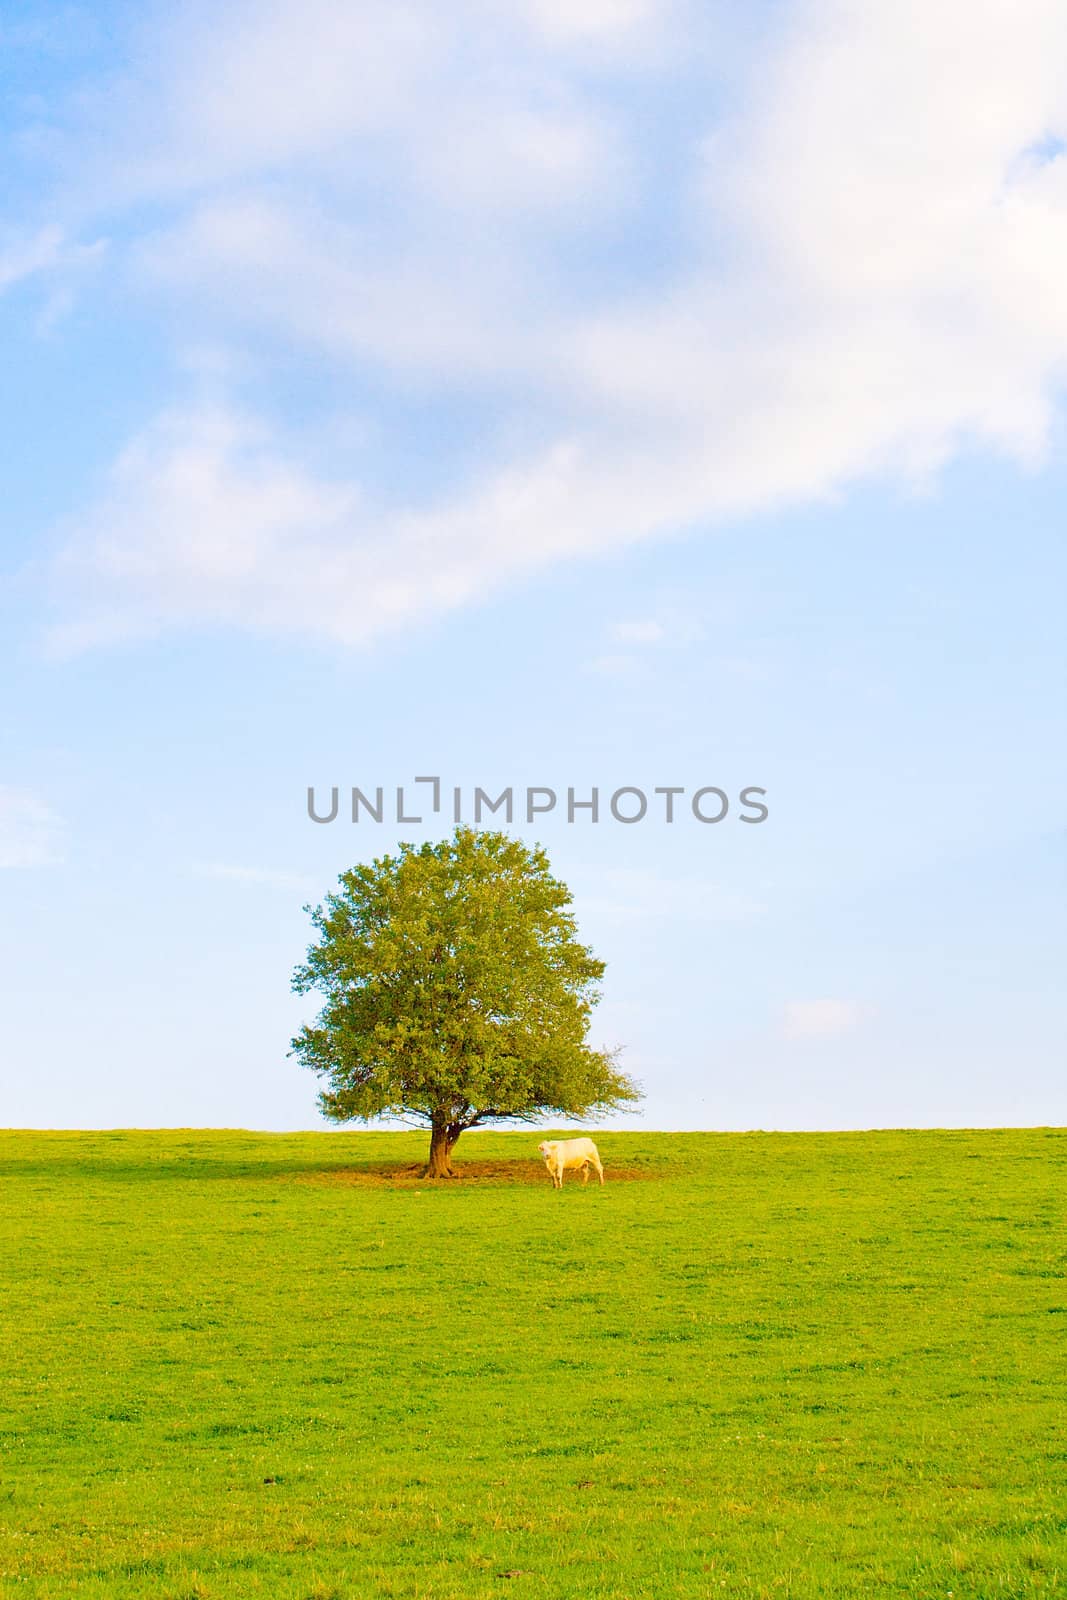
{"points": [[586, 395]]}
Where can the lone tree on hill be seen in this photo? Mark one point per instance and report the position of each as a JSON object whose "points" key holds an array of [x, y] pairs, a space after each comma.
{"points": [[456, 993]]}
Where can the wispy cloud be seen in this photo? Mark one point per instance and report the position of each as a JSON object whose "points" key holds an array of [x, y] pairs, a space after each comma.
{"points": [[46, 250], [203, 518], [646, 631], [616, 664], [31, 833], [361, 187], [255, 877], [634, 895], [672, 628], [820, 1019], [23, 257]]}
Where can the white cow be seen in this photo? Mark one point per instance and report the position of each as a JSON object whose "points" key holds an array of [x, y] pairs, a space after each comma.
{"points": [[560, 1154]]}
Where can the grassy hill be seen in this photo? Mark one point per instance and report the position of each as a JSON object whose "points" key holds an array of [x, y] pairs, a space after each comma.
{"points": [[772, 1365]]}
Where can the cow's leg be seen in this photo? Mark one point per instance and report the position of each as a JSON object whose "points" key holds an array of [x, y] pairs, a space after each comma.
{"points": [[585, 1172]]}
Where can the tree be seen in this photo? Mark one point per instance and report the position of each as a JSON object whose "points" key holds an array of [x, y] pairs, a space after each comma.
{"points": [[456, 993]]}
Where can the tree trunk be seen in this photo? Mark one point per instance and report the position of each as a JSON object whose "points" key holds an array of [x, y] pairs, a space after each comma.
{"points": [[443, 1136]]}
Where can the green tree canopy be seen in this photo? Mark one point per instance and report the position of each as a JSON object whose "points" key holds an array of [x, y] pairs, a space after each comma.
{"points": [[456, 993]]}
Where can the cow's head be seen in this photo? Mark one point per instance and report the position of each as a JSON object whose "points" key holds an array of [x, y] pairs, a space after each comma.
{"points": [[546, 1147]]}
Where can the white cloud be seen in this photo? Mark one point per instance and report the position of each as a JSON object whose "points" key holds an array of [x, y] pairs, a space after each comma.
{"points": [[267, 877], [202, 521], [205, 519], [22, 258], [634, 895], [211, 96], [31, 834], [671, 629], [455, 105], [645, 631], [46, 250], [819, 1019], [866, 277], [598, 19], [672, 624], [324, 283], [617, 665]]}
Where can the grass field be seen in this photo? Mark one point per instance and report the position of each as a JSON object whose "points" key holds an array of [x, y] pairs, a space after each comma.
{"points": [[792, 1365]]}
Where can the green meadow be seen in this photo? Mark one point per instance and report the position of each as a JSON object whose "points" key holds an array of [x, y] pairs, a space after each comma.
{"points": [[762, 1365]]}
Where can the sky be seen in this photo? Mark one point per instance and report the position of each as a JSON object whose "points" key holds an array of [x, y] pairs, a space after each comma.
{"points": [[569, 394]]}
